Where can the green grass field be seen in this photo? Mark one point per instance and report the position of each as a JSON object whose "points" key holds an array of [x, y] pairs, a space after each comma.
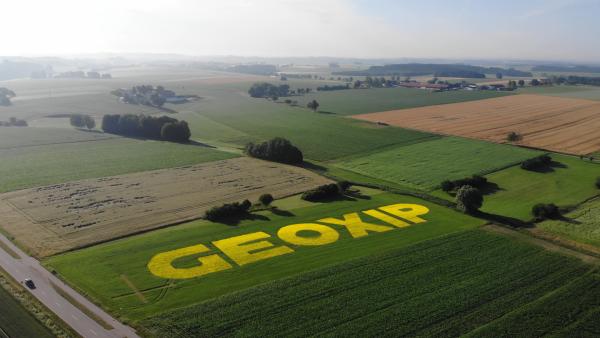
{"points": [[582, 224], [24, 167], [576, 92], [444, 287], [98, 270], [15, 321], [362, 101], [425, 165], [520, 190]]}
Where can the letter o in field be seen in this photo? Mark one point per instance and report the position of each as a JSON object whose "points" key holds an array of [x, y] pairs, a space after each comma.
{"points": [[326, 235]]}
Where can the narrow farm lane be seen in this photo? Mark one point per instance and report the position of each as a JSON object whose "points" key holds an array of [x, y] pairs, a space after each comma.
{"points": [[66, 303]]}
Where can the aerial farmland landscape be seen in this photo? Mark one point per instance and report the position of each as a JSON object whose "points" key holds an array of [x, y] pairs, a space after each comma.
{"points": [[262, 168]]}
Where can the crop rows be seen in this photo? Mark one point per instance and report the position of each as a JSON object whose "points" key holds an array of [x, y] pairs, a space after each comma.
{"points": [[443, 287]]}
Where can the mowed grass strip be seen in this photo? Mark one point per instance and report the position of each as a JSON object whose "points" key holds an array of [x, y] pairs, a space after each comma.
{"points": [[97, 270], [27, 167], [581, 225], [15, 321], [443, 287], [362, 101], [569, 183], [425, 165]]}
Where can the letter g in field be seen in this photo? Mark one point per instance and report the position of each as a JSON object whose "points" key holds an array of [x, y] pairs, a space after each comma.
{"points": [[161, 265]]}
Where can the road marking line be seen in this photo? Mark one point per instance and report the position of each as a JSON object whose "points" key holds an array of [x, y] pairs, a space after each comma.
{"points": [[94, 332]]}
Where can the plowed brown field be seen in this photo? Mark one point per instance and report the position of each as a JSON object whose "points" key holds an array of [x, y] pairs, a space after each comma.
{"points": [[552, 123], [56, 218]]}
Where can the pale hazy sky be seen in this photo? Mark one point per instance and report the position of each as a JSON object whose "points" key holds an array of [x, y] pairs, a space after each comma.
{"points": [[513, 29]]}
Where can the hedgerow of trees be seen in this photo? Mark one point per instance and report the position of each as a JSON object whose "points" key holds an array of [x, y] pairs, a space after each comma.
{"points": [[326, 192], [82, 121], [268, 90], [276, 150], [228, 210], [13, 122], [537, 163], [145, 94], [160, 128], [468, 199], [543, 211], [475, 181]]}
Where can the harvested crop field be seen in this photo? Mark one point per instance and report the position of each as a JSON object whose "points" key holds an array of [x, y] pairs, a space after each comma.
{"points": [[56, 218], [553, 123]]}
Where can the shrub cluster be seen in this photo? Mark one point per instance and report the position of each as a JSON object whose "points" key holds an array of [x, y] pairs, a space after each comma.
{"points": [[266, 199], [543, 211], [468, 199], [145, 94], [326, 192], [537, 163], [82, 121], [5, 96], [513, 137], [13, 122], [598, 182], [163, 127], [264, 89], [277, 150], [475, 181], [228, 210]]}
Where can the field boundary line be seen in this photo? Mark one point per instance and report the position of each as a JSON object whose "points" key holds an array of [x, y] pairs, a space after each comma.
{"points": [[548, 245], [57, 143], [134, 288]]}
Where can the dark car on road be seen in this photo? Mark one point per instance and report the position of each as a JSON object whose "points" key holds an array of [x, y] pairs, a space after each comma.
{"points": [[30, 284]]}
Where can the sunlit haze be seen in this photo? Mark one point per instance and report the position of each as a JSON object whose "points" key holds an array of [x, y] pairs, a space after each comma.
{"points": [[539, 29]]}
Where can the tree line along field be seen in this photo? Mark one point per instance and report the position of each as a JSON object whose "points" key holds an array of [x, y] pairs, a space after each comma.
{"points": [[558, 124], [466, 283], [426, 164], [569, 182], [100, 270], [16, 321], [581, 225]]}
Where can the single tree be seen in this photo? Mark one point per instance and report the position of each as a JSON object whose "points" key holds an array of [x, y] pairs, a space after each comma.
{"points": [[499, 76], [468, 199], [521, 83], [90, 123], [266, 199], [313, 105]]}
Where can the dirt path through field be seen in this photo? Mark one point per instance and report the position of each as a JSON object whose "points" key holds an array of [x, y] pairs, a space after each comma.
{"points": [[543, 243]]}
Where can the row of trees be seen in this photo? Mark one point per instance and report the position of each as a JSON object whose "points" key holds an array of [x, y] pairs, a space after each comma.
{"points": [[475, 181], [268, 90], [276, 150], [13, 122], [236, 209], [82, 121], [326, 192], [163, 127]]}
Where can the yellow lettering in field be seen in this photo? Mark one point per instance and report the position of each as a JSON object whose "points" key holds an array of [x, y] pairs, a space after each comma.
{"points": [[356, 227], [161, 265], [409, 212], [386, 218], [247, 249], [326, 235]]}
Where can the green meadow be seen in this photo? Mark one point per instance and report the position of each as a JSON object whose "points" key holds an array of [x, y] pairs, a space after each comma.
{"points": [[100, 270], [570, 182], [29, 166], [16, 321], [425, 165]]}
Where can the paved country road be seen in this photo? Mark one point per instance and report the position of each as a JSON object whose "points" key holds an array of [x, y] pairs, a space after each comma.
{"points": [[46, 292]]}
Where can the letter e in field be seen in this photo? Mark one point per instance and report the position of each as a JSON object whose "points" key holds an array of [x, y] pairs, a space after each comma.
{"points": [[409, 212], [242, 252]]}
